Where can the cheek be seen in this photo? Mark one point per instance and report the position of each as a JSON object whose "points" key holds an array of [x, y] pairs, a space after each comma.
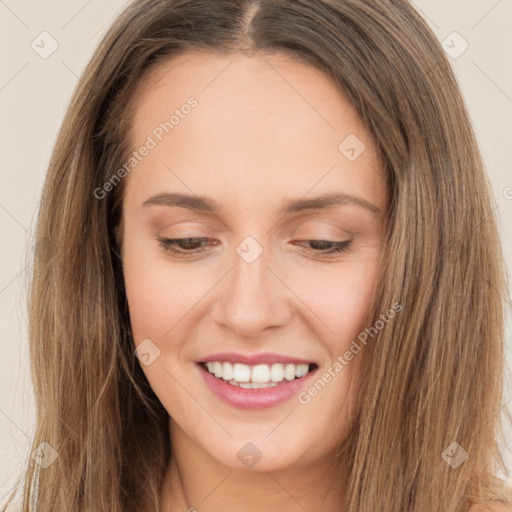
{"points": [[341, 297], [159, 299], [150, 303], [159, 294]]}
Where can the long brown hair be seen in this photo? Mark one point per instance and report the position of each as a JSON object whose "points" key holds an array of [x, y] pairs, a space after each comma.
{"points": [[434, 376]]}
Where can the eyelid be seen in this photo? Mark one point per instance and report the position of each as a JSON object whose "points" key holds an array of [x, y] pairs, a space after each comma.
{"points": [[319, 224], [338, 246]]}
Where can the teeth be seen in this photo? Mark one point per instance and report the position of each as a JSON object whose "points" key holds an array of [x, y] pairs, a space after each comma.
{"points": [[257, 385], [289, 372], [260, 373], [276, 373], [217, 369], [259, 376], [241, 373], [227, 371]]}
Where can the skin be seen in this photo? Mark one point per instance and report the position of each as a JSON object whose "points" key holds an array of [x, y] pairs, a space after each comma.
{"points": [[266, 130]]}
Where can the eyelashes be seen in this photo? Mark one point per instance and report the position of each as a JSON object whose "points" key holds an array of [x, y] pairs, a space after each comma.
{"points": [[191, 247], [169, 244]]}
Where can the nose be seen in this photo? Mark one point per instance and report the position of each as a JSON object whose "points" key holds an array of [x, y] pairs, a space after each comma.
{"points": [[252, 299]]}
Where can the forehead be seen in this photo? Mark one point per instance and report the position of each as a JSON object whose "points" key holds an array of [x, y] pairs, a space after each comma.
{"points": [[271, 84], [260, 121]]}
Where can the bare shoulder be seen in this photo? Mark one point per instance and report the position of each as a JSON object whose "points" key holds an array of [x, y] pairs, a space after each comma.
{"points": [[492, 506]]}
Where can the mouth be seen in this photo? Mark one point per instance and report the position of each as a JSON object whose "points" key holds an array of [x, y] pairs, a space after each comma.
{"points": [[258, 376]]}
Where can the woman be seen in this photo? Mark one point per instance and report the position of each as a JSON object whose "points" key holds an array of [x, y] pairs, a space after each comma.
{"points": [[273, 278]]}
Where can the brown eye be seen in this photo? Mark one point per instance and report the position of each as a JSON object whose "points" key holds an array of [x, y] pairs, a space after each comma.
{"points": [[187, 245], [328, 247], [191, 246]]}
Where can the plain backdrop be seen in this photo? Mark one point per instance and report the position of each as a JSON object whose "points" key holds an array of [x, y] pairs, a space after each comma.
{"points": [[44, 47]]}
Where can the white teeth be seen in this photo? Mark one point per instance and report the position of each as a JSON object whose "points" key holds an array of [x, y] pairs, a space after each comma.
{"points": [[276, 373], [241, 372], [258, 376], [227, 371], [257, 385], [260, 373], [289, 371], [217, 369]]}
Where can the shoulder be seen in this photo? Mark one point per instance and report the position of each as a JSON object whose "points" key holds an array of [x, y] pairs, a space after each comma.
{"points": [[492, 506]]}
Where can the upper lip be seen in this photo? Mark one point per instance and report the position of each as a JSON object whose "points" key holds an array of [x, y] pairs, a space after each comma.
{"points": [[253, 359]]}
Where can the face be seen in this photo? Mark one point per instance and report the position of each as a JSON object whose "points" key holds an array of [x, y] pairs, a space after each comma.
{"points": [[252, 233]]}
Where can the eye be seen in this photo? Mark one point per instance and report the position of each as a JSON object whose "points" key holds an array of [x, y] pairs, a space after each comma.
{"points": [[328, 247], [191, 246]]}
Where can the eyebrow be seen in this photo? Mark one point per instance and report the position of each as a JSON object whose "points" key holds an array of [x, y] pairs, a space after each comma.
{"points": [[202, 203]]}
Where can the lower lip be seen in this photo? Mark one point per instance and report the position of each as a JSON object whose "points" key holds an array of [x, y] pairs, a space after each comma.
{"points": [[254, 398]]}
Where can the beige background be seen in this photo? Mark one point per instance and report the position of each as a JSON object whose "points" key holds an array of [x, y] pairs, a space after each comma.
{"points": [[35, 91]]}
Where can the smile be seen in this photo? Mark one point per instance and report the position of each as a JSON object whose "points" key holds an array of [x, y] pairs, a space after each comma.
{"points": [[259, 385], [258, 376]]}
